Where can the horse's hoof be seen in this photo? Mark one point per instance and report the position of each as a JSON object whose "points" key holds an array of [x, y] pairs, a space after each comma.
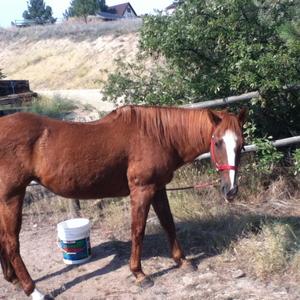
{"points": [[17, 285], [187, 266], [145, 283], [12, 278], [15, 282]]}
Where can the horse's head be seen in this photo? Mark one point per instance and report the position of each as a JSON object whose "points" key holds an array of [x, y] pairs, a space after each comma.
{"points": [[226, 144]]}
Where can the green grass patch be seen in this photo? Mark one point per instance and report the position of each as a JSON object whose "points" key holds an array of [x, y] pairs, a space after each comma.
{"points": [[55, 107]]}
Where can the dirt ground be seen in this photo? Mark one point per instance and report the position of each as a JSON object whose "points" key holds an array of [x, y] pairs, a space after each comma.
{"points": [[65, 63], [107, 276]]}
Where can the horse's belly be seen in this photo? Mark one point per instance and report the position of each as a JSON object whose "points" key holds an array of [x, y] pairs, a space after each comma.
{"points": [[89, 185], [92, 191]]}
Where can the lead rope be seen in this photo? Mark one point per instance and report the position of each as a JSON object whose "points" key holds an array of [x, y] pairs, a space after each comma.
{"points": [[198, 186]]}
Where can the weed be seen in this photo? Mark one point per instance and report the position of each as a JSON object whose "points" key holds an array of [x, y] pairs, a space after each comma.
{"points": [[296, 158], [55, 107], [273, 250]]}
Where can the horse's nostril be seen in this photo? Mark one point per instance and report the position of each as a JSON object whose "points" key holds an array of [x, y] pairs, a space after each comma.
{"points": [[224, 189], [233, 191]]}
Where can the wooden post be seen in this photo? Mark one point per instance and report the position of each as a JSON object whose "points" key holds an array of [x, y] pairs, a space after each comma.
{"points": [[8, 87], [74, 207]]}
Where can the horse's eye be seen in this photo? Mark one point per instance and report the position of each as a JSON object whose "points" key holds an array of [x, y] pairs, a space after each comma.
{"points": [[218, 143]]}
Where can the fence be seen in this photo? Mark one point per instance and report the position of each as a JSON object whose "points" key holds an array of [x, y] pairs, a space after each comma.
{"points": [[244, 97], [250, 148], [8, 87], [27, 23], [223, 101], [233, 99], [13, 94]]}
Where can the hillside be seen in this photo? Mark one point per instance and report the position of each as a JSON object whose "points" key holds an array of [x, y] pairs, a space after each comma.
{"points": [[66, 56]]}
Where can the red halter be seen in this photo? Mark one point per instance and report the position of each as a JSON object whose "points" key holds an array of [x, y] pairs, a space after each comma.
{"points": [[213, 158]]}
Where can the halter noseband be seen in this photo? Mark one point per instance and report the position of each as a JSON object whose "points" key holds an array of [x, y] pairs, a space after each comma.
{"points": [[219, 167]]}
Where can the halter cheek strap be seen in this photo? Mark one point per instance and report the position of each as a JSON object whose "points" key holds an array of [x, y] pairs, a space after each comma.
{"points": [[219, 167]]}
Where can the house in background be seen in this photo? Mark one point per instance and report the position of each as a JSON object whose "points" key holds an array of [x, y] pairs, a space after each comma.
{"points": [[171, 8], [119, 11]]}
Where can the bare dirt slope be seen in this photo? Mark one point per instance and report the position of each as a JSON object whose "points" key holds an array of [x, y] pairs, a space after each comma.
{"points": [[107, 276], [65, 63]]}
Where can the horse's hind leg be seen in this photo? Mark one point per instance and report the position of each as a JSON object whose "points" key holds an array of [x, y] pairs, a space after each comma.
{"points": [[10, 222], [162, 209]]}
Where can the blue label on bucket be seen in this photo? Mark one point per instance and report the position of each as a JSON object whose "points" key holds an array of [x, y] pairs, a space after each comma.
{"points": [[76, 250]]}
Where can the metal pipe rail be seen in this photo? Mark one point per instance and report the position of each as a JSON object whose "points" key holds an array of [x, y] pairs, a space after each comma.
{"points": [[250, 148], [223, 101]]}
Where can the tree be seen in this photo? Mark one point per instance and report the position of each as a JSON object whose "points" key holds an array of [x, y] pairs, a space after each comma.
{"points": [[1, 74], [84, 8], [37, 11], [219, 48]]}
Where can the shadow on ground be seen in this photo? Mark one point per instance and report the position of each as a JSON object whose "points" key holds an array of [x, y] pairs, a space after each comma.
{"points": [[200, 239]]}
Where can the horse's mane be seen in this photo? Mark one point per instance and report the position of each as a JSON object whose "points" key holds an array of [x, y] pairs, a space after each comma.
{"points": [[229, 121], [168, 125]]}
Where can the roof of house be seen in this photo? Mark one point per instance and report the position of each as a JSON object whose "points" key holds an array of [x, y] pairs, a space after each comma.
{"points": [[172, 6], [120, 8], [108, 16]]}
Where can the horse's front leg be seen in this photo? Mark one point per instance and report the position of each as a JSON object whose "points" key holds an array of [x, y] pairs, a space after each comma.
{"points": [[162, 209], [12, 263], [141, 197], [8, 271]]}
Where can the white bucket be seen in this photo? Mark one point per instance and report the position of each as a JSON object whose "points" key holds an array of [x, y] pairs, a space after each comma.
{"points": [[74, 240]]}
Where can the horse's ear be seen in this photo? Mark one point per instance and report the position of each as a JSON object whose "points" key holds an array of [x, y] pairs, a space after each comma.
{"points": [[242, 116], [214, 118]]}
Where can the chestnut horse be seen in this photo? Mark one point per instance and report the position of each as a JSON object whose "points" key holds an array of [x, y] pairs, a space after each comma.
{"points": [[133, 151]]}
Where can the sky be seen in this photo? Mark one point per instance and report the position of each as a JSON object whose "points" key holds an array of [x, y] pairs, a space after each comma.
{"points": [[11, 10]]}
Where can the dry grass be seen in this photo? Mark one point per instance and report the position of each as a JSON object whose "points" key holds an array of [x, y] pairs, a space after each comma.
{"points": [[77, 30], [55, 107], [70, 56], [273, 250]]}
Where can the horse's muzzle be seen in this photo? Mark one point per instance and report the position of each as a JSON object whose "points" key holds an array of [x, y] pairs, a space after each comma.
{"points": [[229, 194]]}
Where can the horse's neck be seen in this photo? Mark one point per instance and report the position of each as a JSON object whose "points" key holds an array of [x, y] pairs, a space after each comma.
{"points": [[195, 142]]}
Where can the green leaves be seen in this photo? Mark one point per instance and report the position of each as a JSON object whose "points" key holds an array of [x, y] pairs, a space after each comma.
{"points": [[38, 12], [232, 42], [1, 74], [144, 83], [296, 159], [267, 155], [84, 8], [219, 48]]}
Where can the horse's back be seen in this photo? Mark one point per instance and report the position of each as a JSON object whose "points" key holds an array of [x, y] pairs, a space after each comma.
{"points": [[82, 159]]}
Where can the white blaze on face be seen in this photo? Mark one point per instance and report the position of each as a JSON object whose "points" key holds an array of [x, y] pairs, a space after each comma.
{"points": [[230, 140]]}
